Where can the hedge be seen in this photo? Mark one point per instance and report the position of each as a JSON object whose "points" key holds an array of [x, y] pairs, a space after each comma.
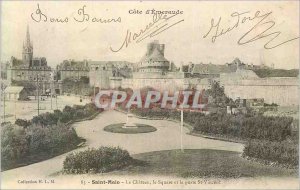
{"points": [[248, 126], [44, 136], [284, 152], [270, 138], [20, 146], [103, 159]]}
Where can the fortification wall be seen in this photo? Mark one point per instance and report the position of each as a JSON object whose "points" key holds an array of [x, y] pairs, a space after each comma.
{"points": [[282, 91]]}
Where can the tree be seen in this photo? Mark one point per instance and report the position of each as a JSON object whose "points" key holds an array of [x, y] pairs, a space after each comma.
{"points": [[218, 96]]}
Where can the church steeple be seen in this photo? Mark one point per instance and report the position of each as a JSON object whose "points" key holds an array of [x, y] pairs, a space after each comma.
{"points": [[28, 43], [27, 50]]}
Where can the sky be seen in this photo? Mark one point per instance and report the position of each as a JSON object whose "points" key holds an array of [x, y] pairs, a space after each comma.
{"points": [[184, 42]]}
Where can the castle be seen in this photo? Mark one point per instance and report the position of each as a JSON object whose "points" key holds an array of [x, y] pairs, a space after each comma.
{"points": [[153, 70], [239, 82]]}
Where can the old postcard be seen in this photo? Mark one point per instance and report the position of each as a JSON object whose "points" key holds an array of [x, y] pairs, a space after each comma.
{"points": [[149, 94]]}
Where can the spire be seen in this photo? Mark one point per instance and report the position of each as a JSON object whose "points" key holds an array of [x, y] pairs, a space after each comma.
{"points": [[27, 41], [27, 49]]}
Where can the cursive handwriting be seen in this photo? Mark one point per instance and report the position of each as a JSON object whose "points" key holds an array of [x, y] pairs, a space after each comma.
{"points": [[159, 24], [82, 16], [39, 16], [241, 19]]}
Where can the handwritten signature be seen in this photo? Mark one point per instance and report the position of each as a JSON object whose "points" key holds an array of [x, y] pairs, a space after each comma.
{"points": [[252, 35], [159, 24]]}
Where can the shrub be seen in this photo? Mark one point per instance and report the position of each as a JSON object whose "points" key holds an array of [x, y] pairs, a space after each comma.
{"points": [[244, 126], [42, 137], [68, 114], [17, 143], [22, 122], [249, 126], [14, 145], [51, 140], [284, 152], [103, 159]]}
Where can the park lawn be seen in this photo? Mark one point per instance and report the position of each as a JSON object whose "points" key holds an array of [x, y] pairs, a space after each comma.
{"points": [[200, 163], [141, 128]]}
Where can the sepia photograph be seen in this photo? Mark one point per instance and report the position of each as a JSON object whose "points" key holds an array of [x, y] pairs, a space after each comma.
{"points": [[149, 94]]}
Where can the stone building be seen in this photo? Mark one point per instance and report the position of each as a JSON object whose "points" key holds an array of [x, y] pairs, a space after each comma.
{"points": [[210, 70], [29, 67], [72, 70], [109, 74], [15, 93], [30, 71]]}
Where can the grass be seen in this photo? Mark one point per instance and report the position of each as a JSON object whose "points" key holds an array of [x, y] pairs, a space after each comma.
{"points": [[201, 163], [141, 128]]}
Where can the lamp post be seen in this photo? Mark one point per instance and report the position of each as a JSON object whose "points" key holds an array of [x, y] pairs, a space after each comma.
{"points": [[51, 94], [94, 90], [56, 100], [4, 105], [181, 120], [38, 94], [181, 130], [15, 106], [51, 87]]}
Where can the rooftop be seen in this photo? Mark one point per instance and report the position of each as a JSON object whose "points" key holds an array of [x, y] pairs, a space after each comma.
{"points": [[13, 89]]}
